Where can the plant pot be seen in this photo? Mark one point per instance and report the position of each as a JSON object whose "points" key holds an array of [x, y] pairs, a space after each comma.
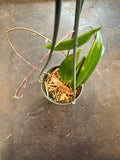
{"points": [[44, 91]]}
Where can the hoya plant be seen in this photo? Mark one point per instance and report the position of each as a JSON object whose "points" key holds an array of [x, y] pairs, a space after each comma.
{"points": [[85, 67]]}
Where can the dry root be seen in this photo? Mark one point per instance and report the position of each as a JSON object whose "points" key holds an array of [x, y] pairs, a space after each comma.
{"points": [[57, 90]]}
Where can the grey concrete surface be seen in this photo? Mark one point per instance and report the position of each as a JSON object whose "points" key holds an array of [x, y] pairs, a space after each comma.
{"points": [[32, 128]]}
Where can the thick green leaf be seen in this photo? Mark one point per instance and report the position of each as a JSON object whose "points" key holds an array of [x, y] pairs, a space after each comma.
{"points": [[78, 55], [93, 66], [91, 61], [66, 67], [78, 68], [69, 44]]}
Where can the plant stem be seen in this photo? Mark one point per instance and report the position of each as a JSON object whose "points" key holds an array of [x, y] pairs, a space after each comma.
{"points": [[25, 79], [30, 30], [11, 45], [27, 29]]}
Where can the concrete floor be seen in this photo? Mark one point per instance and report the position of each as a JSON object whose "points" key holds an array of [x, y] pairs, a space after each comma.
{"points": [[32, 128]]}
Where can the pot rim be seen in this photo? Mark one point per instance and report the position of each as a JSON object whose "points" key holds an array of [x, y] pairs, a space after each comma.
{"points": [[49, 70]]}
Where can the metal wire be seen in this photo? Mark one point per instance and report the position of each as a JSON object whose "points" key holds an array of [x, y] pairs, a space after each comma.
{"points": [[56, 28], [79, 4]]}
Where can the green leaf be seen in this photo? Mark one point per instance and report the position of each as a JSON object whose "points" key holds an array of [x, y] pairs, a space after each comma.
{"points": [[93, 66], [78, 55], [66, 67], [78, 68], [69, 44], [91, 61]]}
